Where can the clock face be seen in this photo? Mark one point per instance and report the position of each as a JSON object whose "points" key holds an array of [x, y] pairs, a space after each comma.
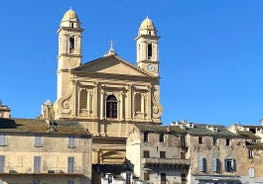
{"points": [[150, 67]]}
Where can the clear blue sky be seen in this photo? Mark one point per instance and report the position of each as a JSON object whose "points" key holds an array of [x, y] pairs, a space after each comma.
{"points": [[211, 53]]}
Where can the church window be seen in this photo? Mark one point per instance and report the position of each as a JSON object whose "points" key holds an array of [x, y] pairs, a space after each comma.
{"points": [[111, 105], [71, 44], [149, 51], [83, 99], [137, 99]]}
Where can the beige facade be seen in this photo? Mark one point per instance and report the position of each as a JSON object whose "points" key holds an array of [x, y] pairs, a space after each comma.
{"points": [[4, 111], [35, 151], [157, 154], [107, 95], [219, 155]]}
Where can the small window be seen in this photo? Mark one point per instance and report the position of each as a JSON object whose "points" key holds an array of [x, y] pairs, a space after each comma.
{"points": [[202, 164], [161, 137], [36, 182], [3, 140], [71, 44], [162, 154], [70, 182], [145, 136], [70, 164], [183, 155], [230, 165], [110, 178], [149, 51], [38, 142], [111, 105], [183, 178], [2, 163], [200, 140], [215, 141], [182, 140], [250, 154], [37, 164], [163, 178], [71, 142], [228, 142], [146, 154], [146, 176]]}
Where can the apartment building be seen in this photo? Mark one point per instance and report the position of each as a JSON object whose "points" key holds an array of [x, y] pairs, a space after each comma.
{"points": [[157, 154], [46, 152]]}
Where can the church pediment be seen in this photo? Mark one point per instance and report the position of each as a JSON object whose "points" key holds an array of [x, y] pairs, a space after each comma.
{"points": [[111, 64]]}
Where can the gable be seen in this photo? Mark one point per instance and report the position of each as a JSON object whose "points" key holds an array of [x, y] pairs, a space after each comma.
{"points": [[111, 65]]}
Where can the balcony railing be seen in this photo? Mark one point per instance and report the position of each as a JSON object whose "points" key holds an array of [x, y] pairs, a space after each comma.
{"points": [[166, 161]]}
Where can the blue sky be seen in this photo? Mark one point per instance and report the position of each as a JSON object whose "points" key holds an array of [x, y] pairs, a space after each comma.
{"points": [[211, 53]]}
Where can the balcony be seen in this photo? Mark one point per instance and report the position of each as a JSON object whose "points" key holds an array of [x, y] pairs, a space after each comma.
{"points": [[165, 162]]}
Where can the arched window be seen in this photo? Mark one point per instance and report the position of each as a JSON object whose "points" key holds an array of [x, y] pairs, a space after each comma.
{"points": [[149, 51], [137, 102], [83, 99], [71, 44], [111, 106]]}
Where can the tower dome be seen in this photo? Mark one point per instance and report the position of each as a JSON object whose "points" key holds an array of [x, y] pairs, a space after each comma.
{"points": [[69, 15], [147, 27], [70, 19]]}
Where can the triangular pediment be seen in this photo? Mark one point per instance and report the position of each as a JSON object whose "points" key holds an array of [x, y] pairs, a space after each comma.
{"points": [[111, 64]]}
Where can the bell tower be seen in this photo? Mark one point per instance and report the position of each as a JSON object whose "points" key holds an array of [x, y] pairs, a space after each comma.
{"points": [[147, 47], [69, 50]]}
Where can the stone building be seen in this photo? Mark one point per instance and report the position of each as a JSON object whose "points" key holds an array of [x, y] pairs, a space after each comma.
{"points": [[106, 95], [219, 155], [252, 170], [158, 154], [38, 151], [4, 111]]}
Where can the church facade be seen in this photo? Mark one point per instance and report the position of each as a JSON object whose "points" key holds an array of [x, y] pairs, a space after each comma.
{"points": [[107, 95]]}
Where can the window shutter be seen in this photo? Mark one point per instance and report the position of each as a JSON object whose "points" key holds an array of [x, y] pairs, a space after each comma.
{"points": [[251, 172], [2, 140], [37, 163], [2, 163], [70, 164], [71, 142], [233, 164], [38, 140], [215, 164], [226, 165], [202, 164]]}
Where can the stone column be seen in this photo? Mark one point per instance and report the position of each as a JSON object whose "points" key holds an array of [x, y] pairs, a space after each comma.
{"points": [[102, 105]]}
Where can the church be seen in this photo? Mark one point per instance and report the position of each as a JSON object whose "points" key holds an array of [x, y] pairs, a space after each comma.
{"points": [[109, 94]]}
